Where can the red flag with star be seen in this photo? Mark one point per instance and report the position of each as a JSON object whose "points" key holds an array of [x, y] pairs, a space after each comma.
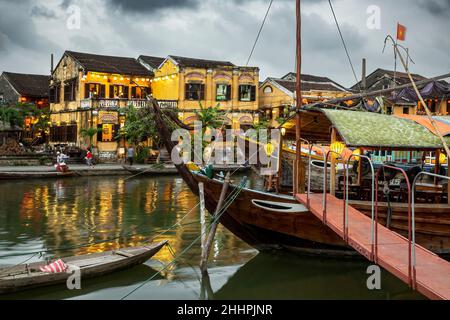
{"points": [[401, 32]]}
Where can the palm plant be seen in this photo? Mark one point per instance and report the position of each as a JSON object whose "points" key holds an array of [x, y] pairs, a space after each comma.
{"points": [[90, 133]]}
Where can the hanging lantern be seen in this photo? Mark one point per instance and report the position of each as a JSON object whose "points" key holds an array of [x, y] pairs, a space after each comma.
{"points": [[442, 159], [283, 131], [337, 148], [269, 149], [357, 153]]}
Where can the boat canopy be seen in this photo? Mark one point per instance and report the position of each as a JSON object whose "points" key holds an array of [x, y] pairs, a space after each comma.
{"points": [[367, 130]]}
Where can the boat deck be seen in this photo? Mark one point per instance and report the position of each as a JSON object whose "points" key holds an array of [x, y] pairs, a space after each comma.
{"points": [[432, 272]]}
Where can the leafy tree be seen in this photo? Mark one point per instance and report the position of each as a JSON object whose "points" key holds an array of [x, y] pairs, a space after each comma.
{"points": [[139, 126]]}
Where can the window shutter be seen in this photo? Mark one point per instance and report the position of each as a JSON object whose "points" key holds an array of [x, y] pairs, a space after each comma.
{"points": [[100, 133], [228, 92], [52, 95], [126, 92], [102, 91], [240, 93], [187, 91], [86, 91], [253, 93], [116, 131], [111, 91], [202, 92]]}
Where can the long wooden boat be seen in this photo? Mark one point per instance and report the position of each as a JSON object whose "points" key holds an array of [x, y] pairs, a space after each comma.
{"points": [[36, 175], [23, 277], [171, 170], [268, 221]]}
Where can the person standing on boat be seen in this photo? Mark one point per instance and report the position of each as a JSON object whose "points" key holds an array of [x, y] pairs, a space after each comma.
{"points": [[130, 155]]}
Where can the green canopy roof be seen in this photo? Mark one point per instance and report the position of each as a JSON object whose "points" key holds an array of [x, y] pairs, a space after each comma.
{"points": [[365, 129]]}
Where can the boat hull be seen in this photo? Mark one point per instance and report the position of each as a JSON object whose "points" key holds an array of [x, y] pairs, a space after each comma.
{"points": [[36, 175], [252, 218], [266, 221], [17, 279]]}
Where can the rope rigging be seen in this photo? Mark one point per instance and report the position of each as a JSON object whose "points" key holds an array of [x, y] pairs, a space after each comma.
{"points": [[259, 33], [230, 199], [344, 44]]}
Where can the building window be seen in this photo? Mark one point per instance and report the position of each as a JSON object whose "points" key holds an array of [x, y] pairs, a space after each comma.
{"points": [[55, 94], [140, 92], [65, 133], [223, 92], [406, 110], [268, 90], [247, 93], [195, 91], [389, 110], [69, 90], [94, 91], [118, 92]]}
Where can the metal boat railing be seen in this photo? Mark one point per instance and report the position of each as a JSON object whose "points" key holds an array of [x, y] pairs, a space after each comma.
{"points": [[346, 191], [414, 260], [410, 230], [299, 143], [325, 176]]}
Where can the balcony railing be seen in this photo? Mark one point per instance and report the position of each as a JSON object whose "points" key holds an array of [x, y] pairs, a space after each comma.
{"points": [[113, 103]]}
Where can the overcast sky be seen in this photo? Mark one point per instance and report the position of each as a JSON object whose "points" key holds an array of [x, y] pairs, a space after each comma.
{"points": [[30, 30]]}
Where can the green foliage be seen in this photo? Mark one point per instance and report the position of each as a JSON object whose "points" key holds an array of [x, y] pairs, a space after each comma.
{"points": [[210, 117], [139, 125], [90, 133], [142, 155], [15, 114]]}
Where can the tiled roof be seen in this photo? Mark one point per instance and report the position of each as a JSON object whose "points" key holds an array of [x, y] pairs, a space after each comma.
{"points": [[401, 77], [32, 85], [200, 63], [109, 64], [153, 62], [314, 79], [308, 85]]}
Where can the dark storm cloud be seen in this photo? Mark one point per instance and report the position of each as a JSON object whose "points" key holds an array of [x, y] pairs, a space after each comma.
{"points": [[17, 29], [154, 5], [224, 30], [42, 11], [436, 7]]}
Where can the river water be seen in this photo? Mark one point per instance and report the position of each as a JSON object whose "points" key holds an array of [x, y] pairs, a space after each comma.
{"points": [[85, 215]]}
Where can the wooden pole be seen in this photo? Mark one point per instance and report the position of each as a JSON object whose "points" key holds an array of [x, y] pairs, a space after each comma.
{"points": [[299, 183], [437, 166], [212, 231], [373, 93], [333, 165], [448, 181], [201, 191]]}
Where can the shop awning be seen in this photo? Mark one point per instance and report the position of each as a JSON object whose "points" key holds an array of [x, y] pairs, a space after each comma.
{"points": [[444, 127]]}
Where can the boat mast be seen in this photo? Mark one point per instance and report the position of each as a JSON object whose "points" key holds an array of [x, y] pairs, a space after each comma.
{"points": [[298, 187]]}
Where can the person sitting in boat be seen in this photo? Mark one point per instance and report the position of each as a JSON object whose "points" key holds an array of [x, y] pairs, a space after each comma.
{"points": [[61, 165]]}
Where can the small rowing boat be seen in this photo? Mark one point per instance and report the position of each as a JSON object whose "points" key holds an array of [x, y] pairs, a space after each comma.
{"points": [[36, 175], [28, 276]]}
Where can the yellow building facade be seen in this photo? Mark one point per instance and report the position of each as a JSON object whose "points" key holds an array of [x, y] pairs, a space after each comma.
{"points": [[88, 91], [276, 95], [186, 83]]}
